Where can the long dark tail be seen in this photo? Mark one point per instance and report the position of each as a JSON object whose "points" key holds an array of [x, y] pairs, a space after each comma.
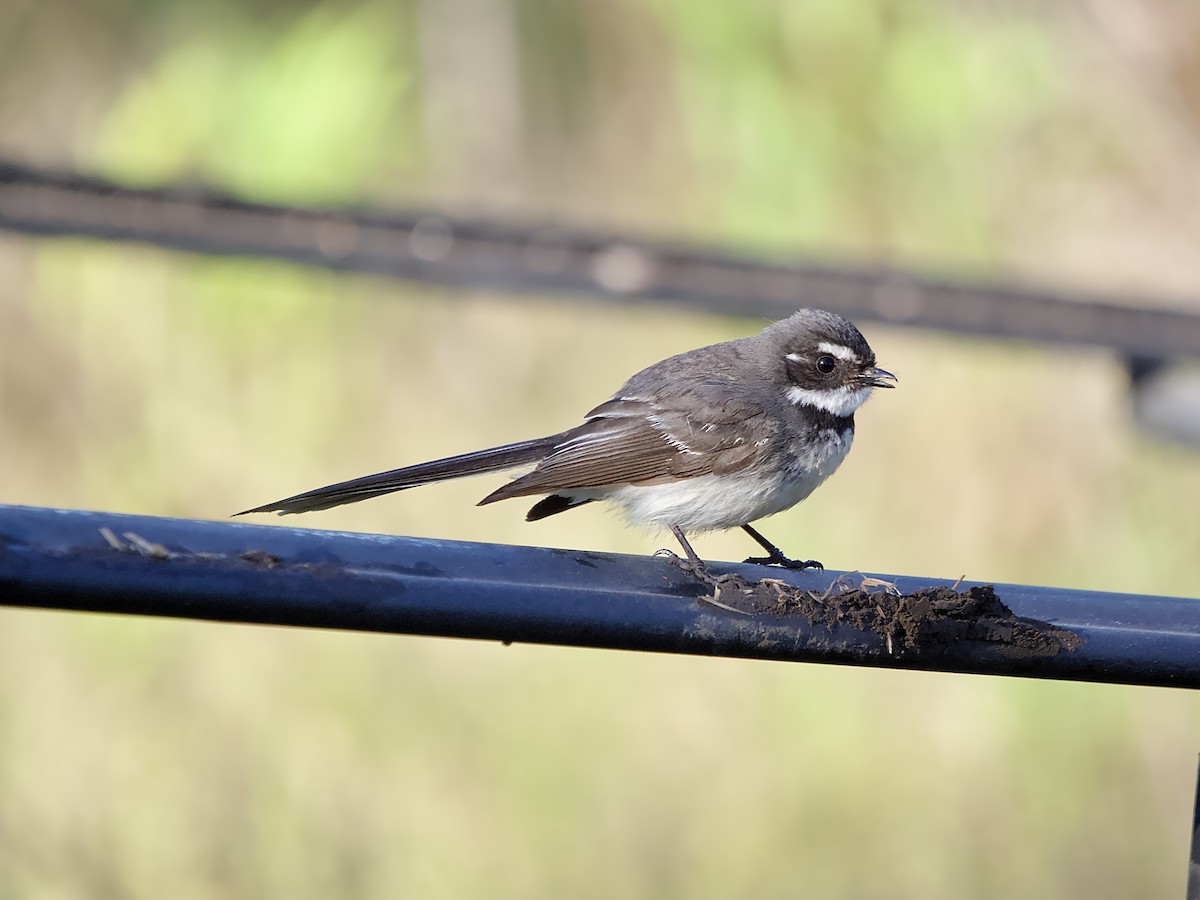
{"points": [[495, 459]]}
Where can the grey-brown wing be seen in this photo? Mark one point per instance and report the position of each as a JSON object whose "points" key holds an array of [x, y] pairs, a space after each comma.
{"points": [[711, 428]]}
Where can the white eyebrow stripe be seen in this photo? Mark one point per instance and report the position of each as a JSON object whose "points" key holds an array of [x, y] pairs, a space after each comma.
{"points": [[795, 357], [838, 350]]}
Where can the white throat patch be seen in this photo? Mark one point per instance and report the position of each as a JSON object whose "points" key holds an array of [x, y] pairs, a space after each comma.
{"points": [[838, 401]]}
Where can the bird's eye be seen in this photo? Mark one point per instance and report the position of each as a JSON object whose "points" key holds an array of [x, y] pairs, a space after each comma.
{"points": [[826, 364]]}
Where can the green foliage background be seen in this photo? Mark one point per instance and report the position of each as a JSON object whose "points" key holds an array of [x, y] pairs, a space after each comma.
{"points": [[150, 759]]}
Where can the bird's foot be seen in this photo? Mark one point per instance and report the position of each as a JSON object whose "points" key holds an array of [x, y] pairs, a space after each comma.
{"points": [[693, 567], [786, 562], [697, 570], [775, 556]]}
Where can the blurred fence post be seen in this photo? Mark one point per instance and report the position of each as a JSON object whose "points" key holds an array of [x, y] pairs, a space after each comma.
{"points": [[1193, 880]]}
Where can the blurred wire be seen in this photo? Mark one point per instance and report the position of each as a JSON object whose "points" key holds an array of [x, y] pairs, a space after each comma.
{"points": [[436, 248], [105, 562], [432, 247]]}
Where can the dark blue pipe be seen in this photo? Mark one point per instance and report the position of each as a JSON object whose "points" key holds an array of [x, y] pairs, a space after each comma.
{"points": [[232, 572]]}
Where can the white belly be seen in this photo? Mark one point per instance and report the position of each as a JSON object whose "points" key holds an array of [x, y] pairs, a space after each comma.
{"points": [[713, 502]]}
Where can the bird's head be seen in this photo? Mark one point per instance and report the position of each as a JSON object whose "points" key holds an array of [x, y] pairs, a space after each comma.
{"points": [[825, 362]]}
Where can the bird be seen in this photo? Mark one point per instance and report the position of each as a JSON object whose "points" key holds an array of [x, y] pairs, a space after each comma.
{"points": [[707, 440]]}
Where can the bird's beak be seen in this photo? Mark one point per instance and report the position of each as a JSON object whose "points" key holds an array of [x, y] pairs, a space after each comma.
{"points": [[876, 377]]}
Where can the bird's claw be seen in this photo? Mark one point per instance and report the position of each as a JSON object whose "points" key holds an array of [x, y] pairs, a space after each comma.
{"points": [[786, 562], [694, 568]]}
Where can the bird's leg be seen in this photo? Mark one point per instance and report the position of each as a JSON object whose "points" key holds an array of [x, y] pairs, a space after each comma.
{"points": [[695, 567], [775, 556], [695, 563]]}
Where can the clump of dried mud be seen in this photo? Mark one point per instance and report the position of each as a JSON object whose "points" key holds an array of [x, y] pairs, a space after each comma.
{"points": [[925, 618]]}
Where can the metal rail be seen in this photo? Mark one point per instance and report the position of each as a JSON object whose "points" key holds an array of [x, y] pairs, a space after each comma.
{"points": [[110, 563], [432, 247]]}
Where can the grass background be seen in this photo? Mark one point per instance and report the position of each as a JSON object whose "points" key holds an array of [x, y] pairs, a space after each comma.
{"points": [[143, 759]]}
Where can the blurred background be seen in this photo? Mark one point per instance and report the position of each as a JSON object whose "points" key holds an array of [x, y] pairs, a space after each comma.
{"points": [[1004, 140]]}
